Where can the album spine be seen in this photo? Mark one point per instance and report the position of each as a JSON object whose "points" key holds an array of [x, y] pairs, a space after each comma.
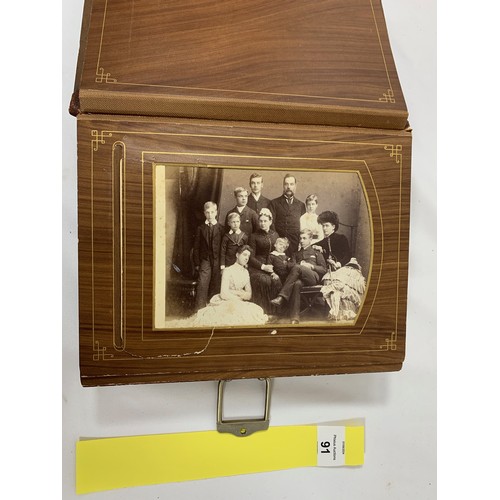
{"points": [[74, 106]]}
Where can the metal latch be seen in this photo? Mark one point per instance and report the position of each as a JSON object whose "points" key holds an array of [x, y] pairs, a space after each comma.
{"points": [[242, 427]]}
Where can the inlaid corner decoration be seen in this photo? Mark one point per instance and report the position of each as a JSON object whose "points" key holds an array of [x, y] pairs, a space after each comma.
{"points": [[390, 343], [100, 352], [395, 152], [98, 138], [388, 96], [102, 77]]}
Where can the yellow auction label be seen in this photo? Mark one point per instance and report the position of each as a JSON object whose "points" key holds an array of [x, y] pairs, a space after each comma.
{"points": [[122, 462]]}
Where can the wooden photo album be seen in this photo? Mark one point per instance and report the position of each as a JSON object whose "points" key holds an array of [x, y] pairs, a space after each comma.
{"points": [[243, 207]]}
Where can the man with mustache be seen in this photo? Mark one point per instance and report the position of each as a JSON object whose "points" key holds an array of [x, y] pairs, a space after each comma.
{"points": [[286, 211]]}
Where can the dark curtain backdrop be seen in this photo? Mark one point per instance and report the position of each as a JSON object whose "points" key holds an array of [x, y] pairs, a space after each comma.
{"points": [[197, 185]]}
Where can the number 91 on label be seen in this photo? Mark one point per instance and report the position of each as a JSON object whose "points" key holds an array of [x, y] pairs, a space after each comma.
{"points": [[331, 446]]}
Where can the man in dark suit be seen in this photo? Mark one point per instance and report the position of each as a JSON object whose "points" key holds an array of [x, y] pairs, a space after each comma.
{"points": [[206, 255], [335, 247], [309, 267], [286, 211], [249, 220], [256, 201]]}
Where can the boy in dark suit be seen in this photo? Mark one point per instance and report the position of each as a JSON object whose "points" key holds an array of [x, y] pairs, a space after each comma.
{"points": [[206, 255], [231, 241], [256, 200], [249, 220]]}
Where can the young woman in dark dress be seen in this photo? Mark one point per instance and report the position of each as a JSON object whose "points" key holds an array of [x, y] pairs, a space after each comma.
{"points": [[264, 287]]}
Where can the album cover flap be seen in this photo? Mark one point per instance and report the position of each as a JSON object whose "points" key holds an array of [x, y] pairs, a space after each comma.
{"points": [[323, 62]]}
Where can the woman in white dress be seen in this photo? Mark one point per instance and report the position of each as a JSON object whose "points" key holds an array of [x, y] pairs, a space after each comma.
{"points": [[310, 219], [232, 306]]}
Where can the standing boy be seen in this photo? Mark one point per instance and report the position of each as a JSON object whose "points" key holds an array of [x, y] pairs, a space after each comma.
{"points": [[256, 200], [206, 255], [249, 221], [231, 241]]}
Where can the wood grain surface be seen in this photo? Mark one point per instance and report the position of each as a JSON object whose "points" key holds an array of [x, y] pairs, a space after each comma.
{"points": [[376, 342], [322, 62]]}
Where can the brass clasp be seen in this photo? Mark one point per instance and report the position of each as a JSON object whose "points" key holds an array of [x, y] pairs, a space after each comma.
{"points": [[242, 427]]}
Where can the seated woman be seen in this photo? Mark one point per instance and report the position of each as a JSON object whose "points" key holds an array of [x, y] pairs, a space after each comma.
{"points": [[343, 290], [335, 247], [265, 288], [232, 306]]}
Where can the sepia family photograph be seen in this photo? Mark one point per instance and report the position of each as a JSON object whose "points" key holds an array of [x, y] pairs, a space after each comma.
{"points": [[252, 247]]}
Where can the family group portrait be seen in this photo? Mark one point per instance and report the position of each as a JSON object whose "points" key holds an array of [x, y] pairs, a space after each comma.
{"points": [[246, 247]]}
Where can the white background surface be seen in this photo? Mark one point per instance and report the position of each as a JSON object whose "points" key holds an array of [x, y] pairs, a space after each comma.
{"points": [[400, 408]]}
